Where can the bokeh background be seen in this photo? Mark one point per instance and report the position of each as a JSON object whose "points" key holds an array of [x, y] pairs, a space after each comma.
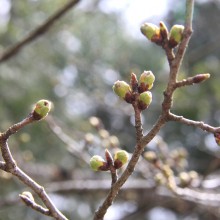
{"points": [[74, 65]]}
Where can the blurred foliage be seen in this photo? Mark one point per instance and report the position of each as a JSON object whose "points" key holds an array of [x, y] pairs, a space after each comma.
{"points": [[75, 65]]}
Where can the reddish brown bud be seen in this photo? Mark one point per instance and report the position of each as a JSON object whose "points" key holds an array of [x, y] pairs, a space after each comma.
{"points": [[134, 82], [201, 77], [108, 157]]}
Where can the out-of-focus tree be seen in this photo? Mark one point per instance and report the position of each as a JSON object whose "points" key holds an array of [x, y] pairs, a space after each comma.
{"points": [[74, 65]]}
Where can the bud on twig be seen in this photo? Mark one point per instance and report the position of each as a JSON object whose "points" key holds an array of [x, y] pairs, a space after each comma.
{"points": [[144, 100], [120, 158], [26, 195], [146, 81], [134, 82], [201, 77], [152, 32], [163, 30], [41, 109], [176, 35], [97, 163], [109, 158], [123, 90]]}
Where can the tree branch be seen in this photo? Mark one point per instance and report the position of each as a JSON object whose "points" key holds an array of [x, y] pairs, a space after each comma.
{"points": [[13, 50], [11, 167]]}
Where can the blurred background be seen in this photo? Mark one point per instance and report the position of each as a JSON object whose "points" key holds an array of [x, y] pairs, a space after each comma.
{"points": [[74, 65]]}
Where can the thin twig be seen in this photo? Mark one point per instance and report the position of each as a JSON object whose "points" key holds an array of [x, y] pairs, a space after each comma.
{"points": [[11, 167], [13, 50], [199, 124]]}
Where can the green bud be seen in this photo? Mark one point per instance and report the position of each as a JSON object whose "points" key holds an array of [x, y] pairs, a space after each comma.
{"points": [[41, 109], [97, 163], [144, 100], [120, 158], [146, 81], [123, 90], [176, 35], [152, 32]]}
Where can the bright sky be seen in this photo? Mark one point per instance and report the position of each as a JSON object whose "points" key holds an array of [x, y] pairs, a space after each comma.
{"points": [[135, 12]]}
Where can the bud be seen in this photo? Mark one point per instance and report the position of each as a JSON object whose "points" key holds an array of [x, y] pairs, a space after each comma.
{"points": [[108, 157], [26, 195], [167, 171], [120, 158], [146, 81], [123, 90], [144, 100], [163, 30], [152, 32], [150, 156], [159, 179], [97, 163], [41, 109], [184, 179], [176, 35], [201, 77], [217, 137], [134, 82]]}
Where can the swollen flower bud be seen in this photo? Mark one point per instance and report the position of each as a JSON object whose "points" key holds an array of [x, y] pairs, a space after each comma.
{"points": [[146, 81], [120, 158], [144, 100], [123, 90], [41, 109], [97, 163], [152, 32], [176, 35], [201, 77]]}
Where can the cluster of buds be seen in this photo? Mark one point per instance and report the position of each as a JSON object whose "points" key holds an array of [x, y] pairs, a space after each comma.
{"points": [[187, 179], [161, 35], [137, 90], [97, 163]]}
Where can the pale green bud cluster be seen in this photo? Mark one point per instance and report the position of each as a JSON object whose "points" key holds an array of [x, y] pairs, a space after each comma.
{"points": [[137, 91], [97, 163], [160, 35]]}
